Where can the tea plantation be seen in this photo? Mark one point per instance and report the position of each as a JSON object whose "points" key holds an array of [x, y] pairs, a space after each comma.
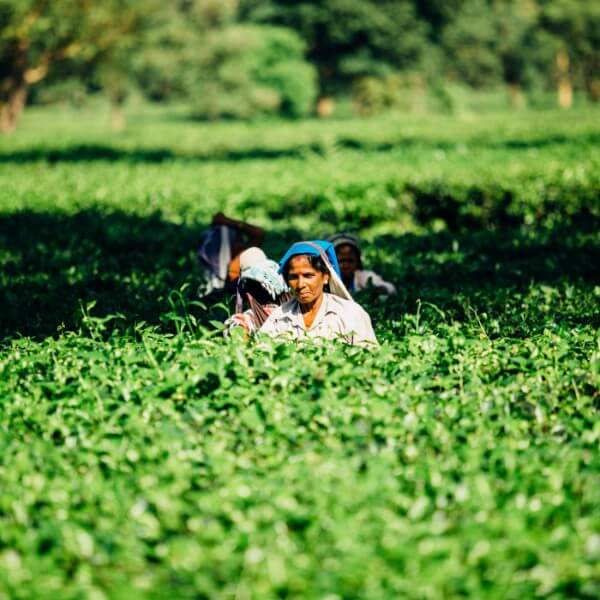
{"points": [[142, 456]]}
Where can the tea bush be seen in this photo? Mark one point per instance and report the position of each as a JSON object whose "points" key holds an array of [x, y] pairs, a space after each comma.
{"points": [[143, 456]]}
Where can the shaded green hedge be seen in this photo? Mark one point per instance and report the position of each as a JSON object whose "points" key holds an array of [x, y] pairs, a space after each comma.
{"points": [[142, 456]]}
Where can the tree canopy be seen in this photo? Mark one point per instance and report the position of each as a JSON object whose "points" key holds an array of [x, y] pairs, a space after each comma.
{"points": [[347, 39], [243, 58], [36, 35]]}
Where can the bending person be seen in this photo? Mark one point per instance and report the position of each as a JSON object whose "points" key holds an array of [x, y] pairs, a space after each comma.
{"points": [[260, 288], [322, 306], [349, 255], [220, 249], [245, 236]]}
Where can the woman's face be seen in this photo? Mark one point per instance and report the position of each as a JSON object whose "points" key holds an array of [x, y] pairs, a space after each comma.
{"points": [[306, 282], [348, 260]]}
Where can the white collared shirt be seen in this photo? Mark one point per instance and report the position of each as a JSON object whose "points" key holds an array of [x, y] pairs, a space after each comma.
{"points": [[336, 318]]}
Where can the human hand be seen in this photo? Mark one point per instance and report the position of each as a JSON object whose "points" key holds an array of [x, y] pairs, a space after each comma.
{"points": [[242, 320]]}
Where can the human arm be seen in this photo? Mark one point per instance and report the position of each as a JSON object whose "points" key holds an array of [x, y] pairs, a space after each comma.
{"points": [[353, 324], [239, 320], [362, 330], [255, 234], [366, 279]]}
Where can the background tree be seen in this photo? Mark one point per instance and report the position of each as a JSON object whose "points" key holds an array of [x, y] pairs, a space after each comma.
{"points": [[224, 68], [575, 28], [38, 35], [491, 42], [348, 39], [248, 70], [470, 39], [242, 58], [113, 63]]}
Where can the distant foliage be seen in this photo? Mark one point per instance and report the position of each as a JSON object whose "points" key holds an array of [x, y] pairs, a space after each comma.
{"points": [[404, 91], [249, 71], [349, 39], [482, 43], [41, 39], [246, 58]]}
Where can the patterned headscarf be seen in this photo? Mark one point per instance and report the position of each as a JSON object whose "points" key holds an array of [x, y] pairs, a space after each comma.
{"points": [[267, 274]]}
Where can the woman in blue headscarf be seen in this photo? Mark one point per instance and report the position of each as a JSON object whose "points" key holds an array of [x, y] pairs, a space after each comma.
{"points": [[322, 306]]}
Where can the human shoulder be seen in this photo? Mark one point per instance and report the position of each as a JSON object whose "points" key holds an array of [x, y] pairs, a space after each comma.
{"points": [[354, 320], [364, 278]]}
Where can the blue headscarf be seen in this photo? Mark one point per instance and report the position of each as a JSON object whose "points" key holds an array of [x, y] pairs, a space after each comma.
{"points": [[309, 248]]}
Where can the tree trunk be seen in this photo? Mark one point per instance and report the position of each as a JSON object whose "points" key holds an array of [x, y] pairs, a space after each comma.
{"points": [[591, 76], [117, 101], [12, 101], [594, 90], [418, 91], [325, 106], [565, 87], [117, 116], [515, 93]]}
